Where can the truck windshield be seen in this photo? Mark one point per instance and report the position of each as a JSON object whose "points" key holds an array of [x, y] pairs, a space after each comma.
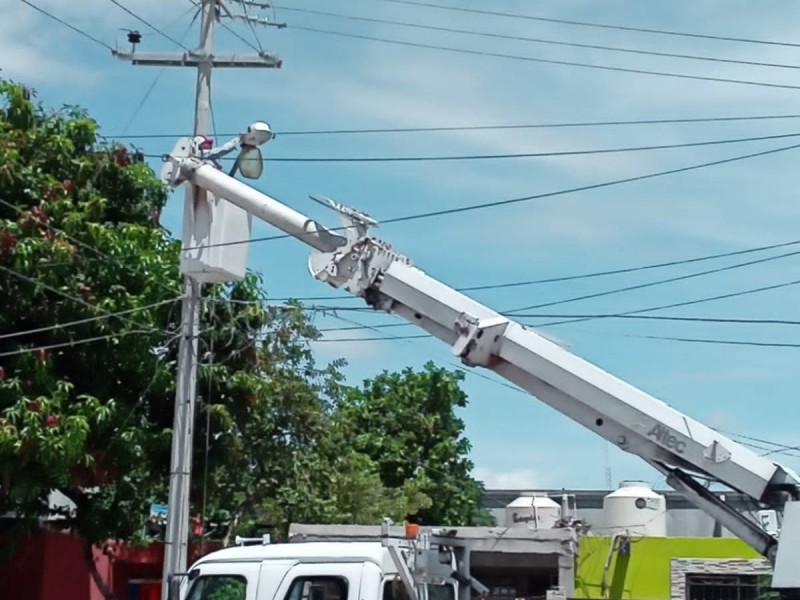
{"points": [[218, 587]]}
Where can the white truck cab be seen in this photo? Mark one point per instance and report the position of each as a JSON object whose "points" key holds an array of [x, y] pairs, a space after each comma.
{"points": [[304, 571]]}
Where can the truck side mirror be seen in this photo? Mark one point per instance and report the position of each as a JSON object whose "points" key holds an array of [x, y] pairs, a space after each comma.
{"points": [[250, 162]]}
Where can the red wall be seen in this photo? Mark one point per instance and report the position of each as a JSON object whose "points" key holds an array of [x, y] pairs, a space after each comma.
{"points": [[50, 566]]}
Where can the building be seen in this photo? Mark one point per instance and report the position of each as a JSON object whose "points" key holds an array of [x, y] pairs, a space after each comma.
{"points": [[683, 518]]}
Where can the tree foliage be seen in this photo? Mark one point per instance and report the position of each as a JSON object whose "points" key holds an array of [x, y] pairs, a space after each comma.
{"points": [[88, 344], [90, 287], [407, 423]]}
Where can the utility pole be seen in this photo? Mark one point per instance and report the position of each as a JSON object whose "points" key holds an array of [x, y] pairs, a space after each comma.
{"points": [[177, 533]]}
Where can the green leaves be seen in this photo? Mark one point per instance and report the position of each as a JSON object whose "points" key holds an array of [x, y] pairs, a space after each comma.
{"points": [[90, 286], [407, 424]]}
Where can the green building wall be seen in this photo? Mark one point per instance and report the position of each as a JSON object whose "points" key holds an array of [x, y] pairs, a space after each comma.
{"points": [[645, 573]]}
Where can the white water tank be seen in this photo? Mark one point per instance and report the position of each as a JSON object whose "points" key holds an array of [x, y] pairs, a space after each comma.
{"points": [[536, 511], [636, 509]]}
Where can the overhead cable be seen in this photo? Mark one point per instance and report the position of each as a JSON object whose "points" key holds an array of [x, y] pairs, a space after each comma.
{"points": [[518, 38], [496, 286], [65, 24], [747, 292], [648, 337], [150, 25], [718, 320], [548, 61], [68, 324], [435, 129], [553, 154], [596, 25], [648, 284], [584, 188], [70, 297], [77, 342], [562, 192], [89, 247]]}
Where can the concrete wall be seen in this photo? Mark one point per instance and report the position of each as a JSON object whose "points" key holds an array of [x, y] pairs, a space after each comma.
{"points": [[656, 568]]}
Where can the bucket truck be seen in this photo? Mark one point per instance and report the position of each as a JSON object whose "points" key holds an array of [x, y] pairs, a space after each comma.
{"points": [[687, 452]]}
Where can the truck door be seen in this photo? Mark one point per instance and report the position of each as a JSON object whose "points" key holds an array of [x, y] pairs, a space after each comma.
{"points": [[320, 581]]}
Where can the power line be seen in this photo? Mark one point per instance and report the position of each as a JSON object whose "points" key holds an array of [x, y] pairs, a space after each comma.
{"points": [[720, 320], [648, 337], [380, 159], [549, 61], [563, 192], [150, 25], [458, 367], [78, 342], [75, 299], [596, 25], [680, 304], [65, 24], [505, 36], [155, 81], [436, 129], [89, 247], [657, 282], [61, 326], [512, 284], [584, 188]]}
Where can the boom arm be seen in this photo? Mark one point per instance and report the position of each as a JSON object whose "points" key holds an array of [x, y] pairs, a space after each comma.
{"points": [[676, 445]]}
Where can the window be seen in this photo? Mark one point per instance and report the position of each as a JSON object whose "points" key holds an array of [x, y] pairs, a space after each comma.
{"points": [[318, 588], [395, 590], [722, 587], [218, 587]]}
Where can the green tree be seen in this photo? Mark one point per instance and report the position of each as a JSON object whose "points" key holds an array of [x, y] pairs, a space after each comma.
{"points": [[406, 422], [277, 454], [90, 288]]}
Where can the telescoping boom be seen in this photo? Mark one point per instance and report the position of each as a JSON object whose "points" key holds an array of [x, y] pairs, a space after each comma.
{"points": [[684, 450]]}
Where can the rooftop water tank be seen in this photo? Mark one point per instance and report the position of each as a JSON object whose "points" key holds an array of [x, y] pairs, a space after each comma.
{"points": [[636, 509], [536, 511]]}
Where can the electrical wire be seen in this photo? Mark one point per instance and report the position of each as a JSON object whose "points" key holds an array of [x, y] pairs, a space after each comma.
{"points": [[646, 337], [452, 364], [584, 188], [155, 81], [562, 192], [716, 320], [150, 25], [252, 27], [782, 448], [72, 343], [512, 284], [62, 326], [453, 128], [505, 36], [65, 24], [75, 299], [383, 159], [596, 25], [89, 247], [680, 304], [549, 61], [648, 284]]}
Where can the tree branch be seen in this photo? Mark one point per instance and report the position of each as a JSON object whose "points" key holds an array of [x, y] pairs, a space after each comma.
{"points": [[88, 555]]}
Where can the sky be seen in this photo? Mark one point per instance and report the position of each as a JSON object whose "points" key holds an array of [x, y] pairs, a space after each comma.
{"points": [[330, 81]]}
